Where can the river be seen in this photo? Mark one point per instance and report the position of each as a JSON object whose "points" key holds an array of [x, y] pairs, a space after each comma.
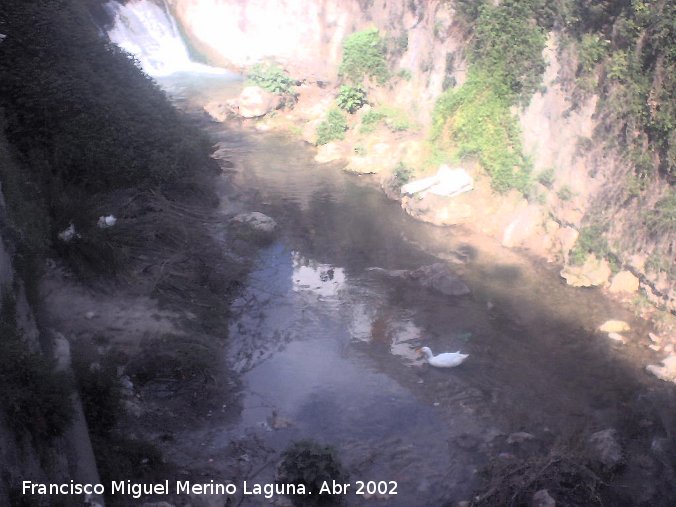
{"points": [[326, 348]]}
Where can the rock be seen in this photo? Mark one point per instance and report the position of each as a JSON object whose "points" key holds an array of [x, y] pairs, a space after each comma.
{"points": [[654, 347], [624, 281], [440, 278], [68, 234], [380, 157], [542, 498], [605, 449], [329, 152], [654, 338], [614, 326], [519, 437], [106, 221], [2, 37], [523, 226], [617, 337], [90, 315], [435, 276], [309, 133], [256, 221], [218, 110], [567, 237], [255, 102], [592, 273], [667, 371], [446, 183]]}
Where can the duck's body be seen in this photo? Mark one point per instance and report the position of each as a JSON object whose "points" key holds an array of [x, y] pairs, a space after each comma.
{"points": [[446, 360]]}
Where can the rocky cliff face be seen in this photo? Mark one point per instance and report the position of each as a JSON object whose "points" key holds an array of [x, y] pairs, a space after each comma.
{"points": [[582, 182]]}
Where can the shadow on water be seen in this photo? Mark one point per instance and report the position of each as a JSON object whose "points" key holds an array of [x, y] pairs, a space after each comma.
{"points": [[327, 350]]}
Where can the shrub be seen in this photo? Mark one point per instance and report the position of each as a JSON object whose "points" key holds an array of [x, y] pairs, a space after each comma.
{"points": [[590, 240], [590, 51], [547, 177], [565, 193], [351, 98], [661, 219], [311, 464], [405, 74], [332, 128], [364, 56], [271, 78], [475, 120], [370, 120], [402, 174]]}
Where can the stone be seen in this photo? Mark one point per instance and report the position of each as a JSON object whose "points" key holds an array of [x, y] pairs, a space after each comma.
{"points": [[218, 111], [523, 226], [106, 221], [654, 338], [256, 221], [614, 326], [567, 237], [592, 273], [617, 337], [446, 182], [605, 449], [329, 152], [254, 102], [309, 133], [624, 281], [666, 371], [519, 437], [542, 498]]}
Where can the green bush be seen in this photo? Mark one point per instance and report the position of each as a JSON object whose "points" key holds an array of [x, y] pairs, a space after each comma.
{"points": [[402, 174], [565, 193], [475, 120], [405, 74], [370, 121], [590, 240], [661, 219], [364, 55], [547, 177], [351, 98], [271, 78], [332, 128], [591, 50]]}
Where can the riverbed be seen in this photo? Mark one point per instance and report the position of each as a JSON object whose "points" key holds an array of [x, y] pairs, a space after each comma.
{"points": [[326, 347]]}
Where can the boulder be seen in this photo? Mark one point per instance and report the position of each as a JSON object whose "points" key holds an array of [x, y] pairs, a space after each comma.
{"points": [[218, 111], [255, 102], [614, 326], [567, 237], [667, 371], [605, 450], [523, 226], [592, 273], [256, 221], [329, 152], [309, 133], [624, 281], [380, 157], [437, 277], [446, 182], [542, 498]]}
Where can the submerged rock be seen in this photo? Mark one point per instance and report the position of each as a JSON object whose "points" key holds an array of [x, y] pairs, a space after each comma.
{"points": [[255, 102], [438, 277], [605, 449], [256, 220]]}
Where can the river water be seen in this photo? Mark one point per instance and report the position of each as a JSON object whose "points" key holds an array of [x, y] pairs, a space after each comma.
{"points": [[325, 348]]}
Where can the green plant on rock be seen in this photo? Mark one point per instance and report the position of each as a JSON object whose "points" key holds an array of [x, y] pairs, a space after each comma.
{"points": [[402, 174], [565, 193], [370, 121], [310, 464], [591, 50], [351, 98], [364, 55], [271, 78], [547, 177], [475, 120], [661, 220], [332, 128]]}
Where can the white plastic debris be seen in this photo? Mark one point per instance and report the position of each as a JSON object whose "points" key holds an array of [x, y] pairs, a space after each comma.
{"points": [[68, 234], [107, 221], [446, 183]]}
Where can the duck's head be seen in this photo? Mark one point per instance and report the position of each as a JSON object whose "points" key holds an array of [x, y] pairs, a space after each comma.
{"points": [[426, 351]]}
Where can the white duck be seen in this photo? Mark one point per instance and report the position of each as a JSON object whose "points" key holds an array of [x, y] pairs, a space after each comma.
{"points": [[446, 360]]}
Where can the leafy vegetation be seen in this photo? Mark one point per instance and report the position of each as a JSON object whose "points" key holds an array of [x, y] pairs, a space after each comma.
{"points": [[311, 464], [402, 174], [364, 55], [547, 177], [395, 119], [351, 98], [662, 218], [370, 121], [332, 128], [591, 240], [271, 78], [475, 120]]}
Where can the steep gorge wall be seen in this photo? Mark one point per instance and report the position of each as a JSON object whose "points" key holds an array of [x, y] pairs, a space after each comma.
{"points": [[430, 40]]}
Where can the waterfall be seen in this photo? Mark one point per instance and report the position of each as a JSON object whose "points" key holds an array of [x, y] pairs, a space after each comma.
{"points": [[147, 29]]}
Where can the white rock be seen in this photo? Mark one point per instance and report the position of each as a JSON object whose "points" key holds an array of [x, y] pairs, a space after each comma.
{"points": [[106, 221], [68, 234], [614, 326], [617, 337], [446, 183], [542, 498], [624, 281], [667, 371], [654, 338], [256, 220]]}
